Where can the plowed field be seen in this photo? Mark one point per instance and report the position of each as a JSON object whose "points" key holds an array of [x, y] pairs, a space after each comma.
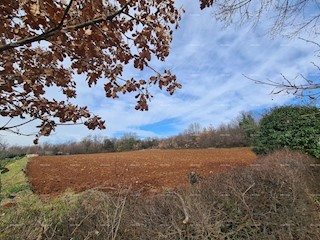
{"points": [[148, 171]]}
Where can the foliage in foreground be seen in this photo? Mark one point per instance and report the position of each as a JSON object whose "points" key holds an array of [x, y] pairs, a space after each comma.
{"points": [[272, 199], [294, 127], [100, 39]]}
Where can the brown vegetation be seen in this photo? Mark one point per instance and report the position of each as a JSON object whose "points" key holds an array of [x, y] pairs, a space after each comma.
{"points": [[277, 197], [99, 39]]}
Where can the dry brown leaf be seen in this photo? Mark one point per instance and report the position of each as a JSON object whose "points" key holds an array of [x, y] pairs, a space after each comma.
{"points": [[35, 9], [88, 31]]}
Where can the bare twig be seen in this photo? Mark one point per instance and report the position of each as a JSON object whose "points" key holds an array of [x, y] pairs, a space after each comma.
{"points": [[185, 211], [44, 228], [251, 186], [5, 128], [118, 218]]}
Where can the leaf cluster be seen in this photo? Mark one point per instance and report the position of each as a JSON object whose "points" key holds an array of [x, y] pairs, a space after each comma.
{"points": [[40, 38]]}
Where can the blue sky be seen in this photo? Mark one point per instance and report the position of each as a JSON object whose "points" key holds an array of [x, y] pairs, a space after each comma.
{"points": [[209, 62]]}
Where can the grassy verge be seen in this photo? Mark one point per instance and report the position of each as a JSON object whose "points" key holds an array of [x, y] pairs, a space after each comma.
{"points": [[14, 181], [23, 215], [272, 199]]}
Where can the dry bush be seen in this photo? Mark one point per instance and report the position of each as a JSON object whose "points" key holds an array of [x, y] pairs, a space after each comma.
{"points": [[271, 199], [268, 200], [97, 216]]}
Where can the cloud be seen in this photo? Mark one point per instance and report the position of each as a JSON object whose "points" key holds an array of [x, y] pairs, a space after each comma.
{"points": [[210, 63]]}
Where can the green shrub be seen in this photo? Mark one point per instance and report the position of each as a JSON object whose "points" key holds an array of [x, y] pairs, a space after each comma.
{"points": [[194, 177], [294, 127]]}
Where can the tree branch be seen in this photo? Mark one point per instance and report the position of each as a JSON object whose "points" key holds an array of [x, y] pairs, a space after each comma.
{"points": [[21, 134], [65, 14], [51, 32], [40, 37], [5, 128]]}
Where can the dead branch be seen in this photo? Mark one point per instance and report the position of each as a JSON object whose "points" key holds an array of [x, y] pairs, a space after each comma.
{"points": [[184, 207]]}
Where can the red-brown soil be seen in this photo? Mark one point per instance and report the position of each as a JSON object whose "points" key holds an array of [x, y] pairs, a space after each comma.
{"points": [[149, 171]]}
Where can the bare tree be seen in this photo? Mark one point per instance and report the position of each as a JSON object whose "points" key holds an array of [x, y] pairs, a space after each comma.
{"points": [[289, 18]]}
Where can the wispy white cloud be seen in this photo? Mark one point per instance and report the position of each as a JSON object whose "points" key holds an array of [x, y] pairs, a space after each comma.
{"points": [[210, 62]]}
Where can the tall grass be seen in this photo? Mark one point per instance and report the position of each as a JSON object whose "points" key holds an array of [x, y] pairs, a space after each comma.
{"points": [[275, 198]]}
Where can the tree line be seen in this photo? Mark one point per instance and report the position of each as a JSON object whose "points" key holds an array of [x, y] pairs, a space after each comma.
{"points": [[292, 127], [235, 134]]}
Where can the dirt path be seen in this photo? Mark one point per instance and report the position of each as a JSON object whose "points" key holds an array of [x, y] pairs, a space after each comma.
{"points": [[148, 171]]}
